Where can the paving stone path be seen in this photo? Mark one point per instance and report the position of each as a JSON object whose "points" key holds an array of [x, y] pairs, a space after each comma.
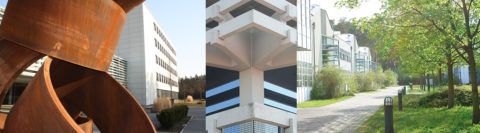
{"points": [[342, 117], [197, 120]]}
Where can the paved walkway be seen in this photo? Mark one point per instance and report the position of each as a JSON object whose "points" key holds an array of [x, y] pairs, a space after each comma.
{"points": [[342, 117], [197, 120]]}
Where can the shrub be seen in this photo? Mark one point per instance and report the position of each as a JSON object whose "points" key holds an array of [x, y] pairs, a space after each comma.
{"points": [[352, 84], [379, 78], [390, 78], [189, 98], [160, 104], [168, 117], [328, 84], [365, 81], [463, 97]]}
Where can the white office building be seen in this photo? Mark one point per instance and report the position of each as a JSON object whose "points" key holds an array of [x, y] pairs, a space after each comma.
{"points": [[118, 70], [331, 47], [463, 74], [364, 61], [152, 66], [251, 64], [305, 57], [348, 49], [323, 37], [328, 48]]}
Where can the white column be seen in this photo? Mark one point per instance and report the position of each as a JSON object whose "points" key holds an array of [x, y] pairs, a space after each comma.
{"points": [[251, 86]]}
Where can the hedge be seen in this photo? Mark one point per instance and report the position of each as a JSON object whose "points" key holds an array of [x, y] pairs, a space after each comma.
{"points": [[168, 117]]}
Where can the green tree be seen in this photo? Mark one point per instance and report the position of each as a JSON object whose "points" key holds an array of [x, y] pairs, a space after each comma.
{"points": [[391, 78], [453, 26], [194, 86]]}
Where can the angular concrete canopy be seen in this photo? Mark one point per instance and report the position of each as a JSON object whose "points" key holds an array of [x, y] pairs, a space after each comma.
{"points": [[270, 38], [245, 41]]}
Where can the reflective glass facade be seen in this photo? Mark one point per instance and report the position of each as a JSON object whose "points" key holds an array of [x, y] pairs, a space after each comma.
{"points": [[305, 67]]}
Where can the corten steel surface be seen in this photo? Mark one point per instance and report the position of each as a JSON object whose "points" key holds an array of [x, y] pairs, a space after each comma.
{"points": [[94, 93], [84, 32], [13, 60], [72, 89]]}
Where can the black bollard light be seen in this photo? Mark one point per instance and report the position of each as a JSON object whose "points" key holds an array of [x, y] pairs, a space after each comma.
{"points": [[388, 108], [404, 91], [400, 106]]}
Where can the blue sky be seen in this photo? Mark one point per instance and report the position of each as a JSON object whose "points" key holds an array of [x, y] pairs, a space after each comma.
{"points": [[184, 23]]}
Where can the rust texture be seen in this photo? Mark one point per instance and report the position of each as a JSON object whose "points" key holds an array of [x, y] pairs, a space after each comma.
{"points": [[72, 90]]}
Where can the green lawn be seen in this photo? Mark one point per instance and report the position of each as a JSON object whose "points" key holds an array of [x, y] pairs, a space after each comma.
{"points": [[320, 103], [416, 88], [420, 120]]}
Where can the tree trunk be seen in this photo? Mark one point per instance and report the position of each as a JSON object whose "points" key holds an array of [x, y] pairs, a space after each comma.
{"points": [[451, 91], [424, 87], [433, 81], [428, 82], [473, 80], [440, 75]]}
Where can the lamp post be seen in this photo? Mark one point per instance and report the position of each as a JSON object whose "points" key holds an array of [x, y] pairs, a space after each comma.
{"points": [[400, 95], [388, 108]]}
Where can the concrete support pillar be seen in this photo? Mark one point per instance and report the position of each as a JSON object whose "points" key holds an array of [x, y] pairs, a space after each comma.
{"points": [[293, 126], [251, 86]]}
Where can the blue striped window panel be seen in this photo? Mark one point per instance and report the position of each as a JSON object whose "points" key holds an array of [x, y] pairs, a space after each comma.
{"points": [[223, 97], [279, 97]]}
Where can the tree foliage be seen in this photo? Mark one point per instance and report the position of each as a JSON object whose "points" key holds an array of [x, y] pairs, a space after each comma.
{"points": [[194, 86], [426, 35]]}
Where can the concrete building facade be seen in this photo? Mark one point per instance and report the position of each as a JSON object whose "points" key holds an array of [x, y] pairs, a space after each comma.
{"points": [[348, 52], [463, 74], [251, 65], [328, 48], [305, 67], [118, 70], [364, 61], [332, 47], [322, 36], [152, 66]]}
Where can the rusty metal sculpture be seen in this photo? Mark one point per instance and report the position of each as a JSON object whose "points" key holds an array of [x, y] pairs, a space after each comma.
{"points": [[79, 37]]}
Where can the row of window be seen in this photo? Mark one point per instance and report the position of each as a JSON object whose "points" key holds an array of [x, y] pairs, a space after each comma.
{"points": [[329, 41], [159, 47], [334, 55], [166, 93], [163, 38], [344, 55], [165, 65], [166, 80], [304, 74]]}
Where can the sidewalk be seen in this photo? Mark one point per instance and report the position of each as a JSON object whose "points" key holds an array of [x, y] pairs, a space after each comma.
{"points": [[197, 120], [342, 117]]}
